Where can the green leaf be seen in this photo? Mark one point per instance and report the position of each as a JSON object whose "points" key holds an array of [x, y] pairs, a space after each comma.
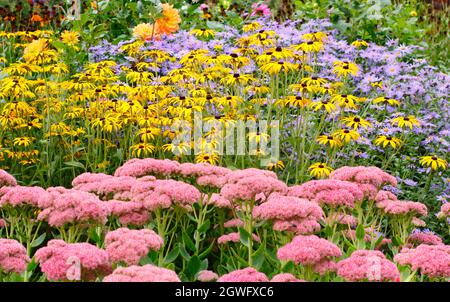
{"points": [[204, 264], [244, 237], [396, 241], [204, 227], [75, 164], [360, 232], [183, 252], [32, 266], [193, 265], [258, 257], [288, 267], [207, 251], [38, 241], [172, 255], [188, 242], [145, 260]]}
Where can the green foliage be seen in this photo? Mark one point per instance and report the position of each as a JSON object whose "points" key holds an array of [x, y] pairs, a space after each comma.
{"points": [[412, 22]]}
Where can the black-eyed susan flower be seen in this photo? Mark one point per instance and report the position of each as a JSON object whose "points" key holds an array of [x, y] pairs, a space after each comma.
{"points": [[320, 170], [257, 89], [252, 26], [278, 165], [179, 149], [23, 141], [385, 140], [343, 68], [386, 101], [356, 122], [149, 133], [434, 162], [359, 43], [302, 87], [310, 46], [109, 123], [329, 140], [142, 149], [203, 33], [347, 135], [281, 52], [237, 79], [345, 100], [258, 137], [207, 158], [405, 121], [294, 101], [323, 104], [313, 81], [315, 36], [277, 67]]}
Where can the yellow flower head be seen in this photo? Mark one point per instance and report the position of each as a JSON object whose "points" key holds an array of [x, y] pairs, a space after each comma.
{"points": [[320, 170], [347, 135], [343, 68], [356, 122], [330, 140], [434, 162], [70, 37], [405, 121], [207, 158], [359, 43], [252, 26], [386, 101], [203, 32], [388, 141]]}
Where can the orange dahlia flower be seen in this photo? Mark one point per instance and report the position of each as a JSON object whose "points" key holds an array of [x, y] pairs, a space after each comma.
{"points": [[169, 22]]}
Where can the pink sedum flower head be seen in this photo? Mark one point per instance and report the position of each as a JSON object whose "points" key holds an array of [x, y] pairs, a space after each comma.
{"points": [[404, 207], [128, 212], [156, 194], [343, 219], [364, 175], [418, 222], [248, 274], [148, 166], [103, 185], [329, 192], [365, 265], [207, 276], [430, 260], [279, 207], [236, 222], [445, 211], [285, 277], [129, 246], [218, 200], [21, 196], [251, 184], [308, 250], [418, 238], [13, 256], [61, 261], [146, 273], [234, 237], [290, 214], [301, 226], [206, 174], [62, 206], [7, 179]]}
